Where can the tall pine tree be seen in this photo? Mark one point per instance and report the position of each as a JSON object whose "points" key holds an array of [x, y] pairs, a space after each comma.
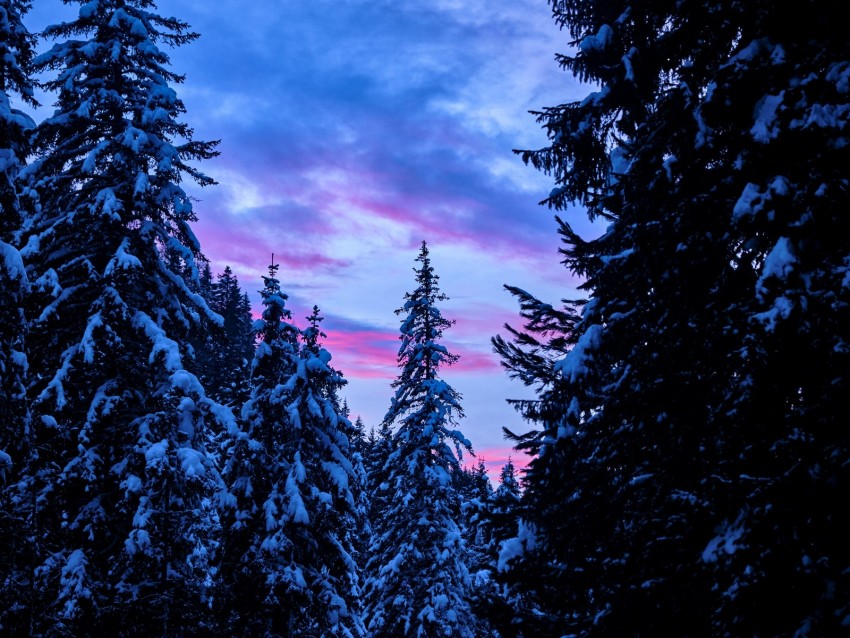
{"points": [[15, 59], [121, 425], [693, 447], [418, 580], [15, 434]]}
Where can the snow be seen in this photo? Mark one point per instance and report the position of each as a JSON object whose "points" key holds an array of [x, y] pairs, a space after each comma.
{"points": [[132, 483], [155, 454], [607, 259], [295, 504], [13, 264], [627, 64], [703, 136], [186, 424], [122, 260], [337, 474], [597, 42], [839, 74], [749, 52], [765, 115], [753, 200], [574, 365], [781, 309], [110, 205], [778, 263], [134, 139], [620, 162], [90, 163], [73, 585], [88, 9], [161, 343], [515, 547], [727, 540], [187, 382], [832, 116], [192, 462]]}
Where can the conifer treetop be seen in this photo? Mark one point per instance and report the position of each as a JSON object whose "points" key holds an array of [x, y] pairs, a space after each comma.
{"points": [[424, 405]]}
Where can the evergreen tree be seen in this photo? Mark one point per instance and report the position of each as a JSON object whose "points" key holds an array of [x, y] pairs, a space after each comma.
{"points": [[255, 574], [15, 434], [473, 487], [691, 433], [495, 600], [15, 59], [502, 506], [125, 477], [287, 567], [475, 493], [379, 447], [359, 440], [233, 348], [331, 490], [418, 580], [362, 535]]}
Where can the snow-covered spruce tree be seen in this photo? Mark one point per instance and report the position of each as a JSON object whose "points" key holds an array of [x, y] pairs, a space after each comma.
{"points": [[287, 567], [502, 505], [15, 439], [379, 446], [694, 444], [255, 572], [474, 489], [233, 347], [332, 492], [495, 600], [120, 424], [15, 58], [362, 535], [417, 578], [515, 608]]}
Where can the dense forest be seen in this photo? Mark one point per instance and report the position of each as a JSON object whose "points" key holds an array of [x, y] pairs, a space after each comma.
{"points": [[171, 466]]}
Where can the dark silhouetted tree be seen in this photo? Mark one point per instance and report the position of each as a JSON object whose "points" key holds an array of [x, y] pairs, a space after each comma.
{"points": [[692, 444], [16, 538]]}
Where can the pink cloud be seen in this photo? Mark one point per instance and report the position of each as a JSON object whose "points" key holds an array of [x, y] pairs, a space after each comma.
{"points": [[472, 362], [308, 198]]}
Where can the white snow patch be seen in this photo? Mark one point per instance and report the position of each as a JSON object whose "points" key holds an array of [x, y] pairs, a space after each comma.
{"points": [[574, 365], [727, 540], [598, 41], [191, 461], [12, 263], [764, 128], [512, 548], [779, 263]]}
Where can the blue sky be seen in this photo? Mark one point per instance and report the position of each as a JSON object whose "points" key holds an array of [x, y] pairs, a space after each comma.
{"points": [[353, 130]]}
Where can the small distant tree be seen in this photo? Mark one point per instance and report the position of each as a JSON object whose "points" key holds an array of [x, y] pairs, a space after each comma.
{"points": [[418, 580], [230, 350], [502, 507]]}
